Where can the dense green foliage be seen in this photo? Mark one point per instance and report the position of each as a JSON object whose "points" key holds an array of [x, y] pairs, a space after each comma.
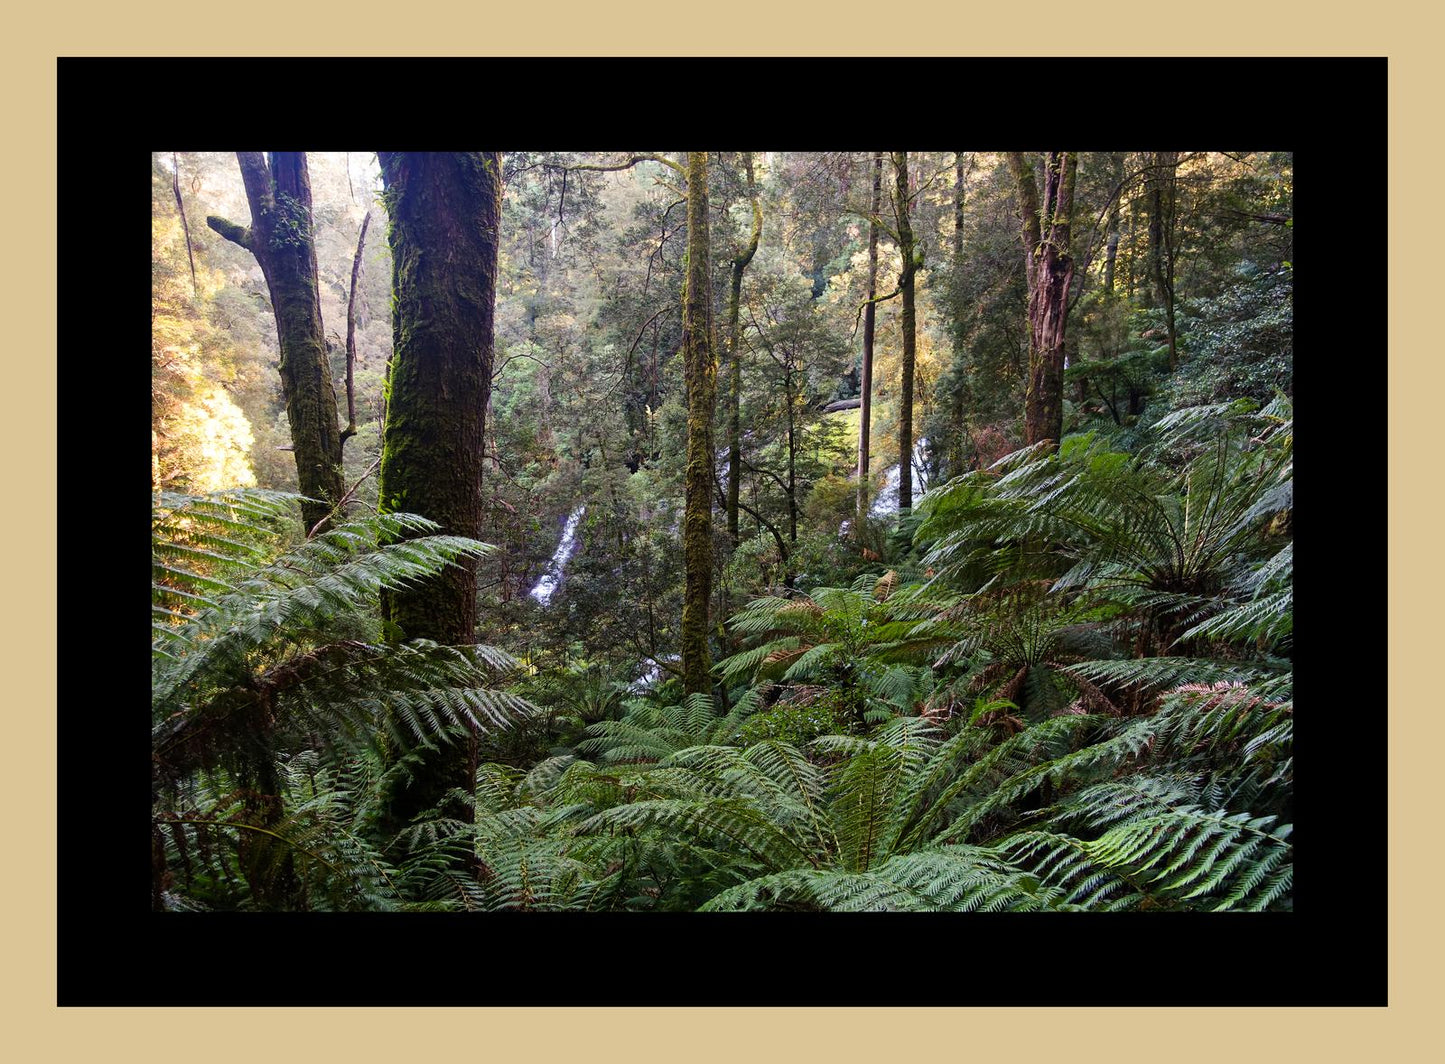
{"points": [[1061, 681], [272, 693]]}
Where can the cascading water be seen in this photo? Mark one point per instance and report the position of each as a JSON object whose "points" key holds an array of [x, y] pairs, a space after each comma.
{"points": [[886, 502], [650, 676], [552, 578]]}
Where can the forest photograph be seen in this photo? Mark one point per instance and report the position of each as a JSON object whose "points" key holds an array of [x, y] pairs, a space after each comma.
{"points": [[796, 531]]}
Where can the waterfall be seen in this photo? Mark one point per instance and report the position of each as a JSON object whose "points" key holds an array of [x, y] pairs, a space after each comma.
{"points": [[886, 501], [552, 578], [650, 676]]}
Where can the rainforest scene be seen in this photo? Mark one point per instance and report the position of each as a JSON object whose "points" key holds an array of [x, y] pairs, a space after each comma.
{"points": [[824, 531]]}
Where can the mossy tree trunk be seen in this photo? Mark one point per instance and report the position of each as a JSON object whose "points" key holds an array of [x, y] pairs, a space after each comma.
{"points": [[1162, 200], [445, 209], [281, 237], [957, 398], [700, 368], [912, 254], [1049, 263], [870, 316], [735, 364]]}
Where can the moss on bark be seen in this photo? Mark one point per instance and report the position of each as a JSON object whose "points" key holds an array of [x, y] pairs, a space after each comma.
{"points": [[912, 256], [445, 208], [735, 365], [281, 238], [700, 368], [1046, 235]]}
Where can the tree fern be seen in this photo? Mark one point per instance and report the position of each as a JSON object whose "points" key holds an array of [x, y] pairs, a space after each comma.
{"points": [[268, 657]]}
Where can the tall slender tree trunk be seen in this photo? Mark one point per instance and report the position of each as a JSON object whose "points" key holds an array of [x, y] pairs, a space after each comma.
{"points": [[445, 209], [700, 368], [870, 316], [790, 392], [912, 259], [1131, 246], [1162, 200], [185, 226], [281, 237], [960, 383], [350, 429], [1050, 267], [735, 362], [1111, 246]]}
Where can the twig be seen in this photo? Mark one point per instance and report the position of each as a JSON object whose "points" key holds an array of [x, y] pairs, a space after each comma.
{"points": [[185, 228], [350, 429], [645, 324], [345, 498], [859, 315]]}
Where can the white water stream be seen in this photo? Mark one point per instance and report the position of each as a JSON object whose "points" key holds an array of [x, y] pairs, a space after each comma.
{"points": [[552, 578], [886, 501]]}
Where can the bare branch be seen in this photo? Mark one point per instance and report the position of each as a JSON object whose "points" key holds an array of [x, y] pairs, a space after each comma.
{"points": [[878, 299], [926, 185], [874, 218], [642, 330], [561, 201], [520, 354], [1091, 248], [628, 165], [185, 227], [345, 498], [777, 477], [759, 518], [350, 429]]}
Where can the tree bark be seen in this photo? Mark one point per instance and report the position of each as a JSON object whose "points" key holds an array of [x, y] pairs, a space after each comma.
{"points": [[912, 259], [350, 429], [790, 394], [1111, 248], [281, 238], [1162, 199], [445, 209], [735, 366], [700, 368], [185, 226], [1130, 246], [870, 314], [957, 411], [1049, 264]]}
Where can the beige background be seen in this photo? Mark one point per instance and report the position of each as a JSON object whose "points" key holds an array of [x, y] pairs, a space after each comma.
{"points": [[36, 1030]]}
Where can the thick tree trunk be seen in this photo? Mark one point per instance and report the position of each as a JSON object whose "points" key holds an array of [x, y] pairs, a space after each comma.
{"points": [[700, 368], [870, 315], [445, 208], [735, 363], [912, 260], [1050, 268], [281, 237]]}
